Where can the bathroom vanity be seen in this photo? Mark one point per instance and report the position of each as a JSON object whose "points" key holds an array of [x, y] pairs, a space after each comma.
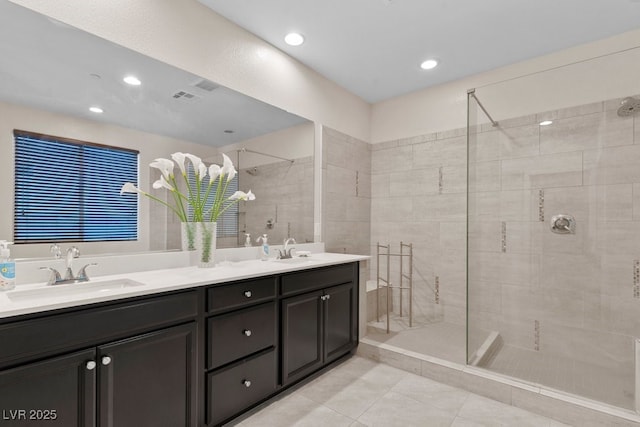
{"points": [[194, 354]]}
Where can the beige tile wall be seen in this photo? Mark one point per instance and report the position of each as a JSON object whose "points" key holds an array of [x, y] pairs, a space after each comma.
{"points": [[578, 287], [346, 169], [419, 197], [284, 194]]}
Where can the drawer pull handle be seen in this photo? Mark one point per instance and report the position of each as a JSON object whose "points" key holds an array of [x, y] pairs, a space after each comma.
{"points": [[247, 294], [106, 360], [246, 383], [91, 365], [247, 332]]}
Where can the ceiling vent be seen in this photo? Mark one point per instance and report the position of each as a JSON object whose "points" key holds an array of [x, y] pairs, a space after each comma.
{"points": [[205, 84], [186, 96]]}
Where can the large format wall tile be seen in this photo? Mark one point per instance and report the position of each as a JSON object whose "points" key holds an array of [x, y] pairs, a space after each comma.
{"points": [[484, 176], [520, 141], [348, 192], [554, 170], [451, 151], [614, 165], [587, 132], [636, 202]]}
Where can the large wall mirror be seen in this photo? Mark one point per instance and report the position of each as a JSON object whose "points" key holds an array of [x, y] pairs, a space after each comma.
{"points": [[51, 74]]}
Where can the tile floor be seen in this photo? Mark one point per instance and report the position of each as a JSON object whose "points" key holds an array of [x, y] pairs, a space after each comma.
{"points": [[361, 392]]}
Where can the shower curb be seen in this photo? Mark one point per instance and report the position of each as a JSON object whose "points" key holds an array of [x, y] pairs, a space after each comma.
{"points": [[560, 406]]}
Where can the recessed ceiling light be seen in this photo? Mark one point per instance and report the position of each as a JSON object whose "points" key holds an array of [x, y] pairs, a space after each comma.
{"points": [[546, 123], [96, 110], [294, 39], [429, 64], [132, 80]]}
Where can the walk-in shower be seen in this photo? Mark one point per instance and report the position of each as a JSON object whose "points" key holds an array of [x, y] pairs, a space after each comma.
{"points": [[526, 232], [553, 251]]}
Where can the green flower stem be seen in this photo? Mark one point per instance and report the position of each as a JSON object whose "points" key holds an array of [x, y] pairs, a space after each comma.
{"points": [[181, 216]]}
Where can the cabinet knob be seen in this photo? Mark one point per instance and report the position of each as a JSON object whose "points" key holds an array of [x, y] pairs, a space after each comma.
{"points": [[247, 294], [247, 332], [246, 383], [327, 297], [106, 360], [91, 365]]}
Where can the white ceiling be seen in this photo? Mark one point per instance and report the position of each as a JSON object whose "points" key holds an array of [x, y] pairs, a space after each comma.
{"points": [[373, 48]]}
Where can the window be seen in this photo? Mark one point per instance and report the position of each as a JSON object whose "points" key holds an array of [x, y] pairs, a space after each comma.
{"points": [[67, 190], [227, 222]]}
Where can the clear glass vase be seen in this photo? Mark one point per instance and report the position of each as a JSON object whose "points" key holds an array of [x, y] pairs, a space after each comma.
{"points": [[188, 235], [200, 237]]}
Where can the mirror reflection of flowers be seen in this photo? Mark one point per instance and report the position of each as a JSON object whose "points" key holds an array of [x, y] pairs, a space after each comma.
{"points": [[204, 199]]}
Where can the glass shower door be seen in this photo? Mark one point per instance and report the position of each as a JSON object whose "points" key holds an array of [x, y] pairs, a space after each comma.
{"points": [[553, 248]]}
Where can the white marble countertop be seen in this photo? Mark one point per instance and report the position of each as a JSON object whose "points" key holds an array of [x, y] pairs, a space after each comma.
{"points": [[33, 298]]}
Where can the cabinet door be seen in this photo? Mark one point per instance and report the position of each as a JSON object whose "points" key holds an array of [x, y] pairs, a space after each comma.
{"points": [[340, 321], [149, 380], [56, 392], [301, 335]]}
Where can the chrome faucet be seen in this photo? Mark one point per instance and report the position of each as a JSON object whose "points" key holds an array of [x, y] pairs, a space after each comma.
{"points": [[72, 252], [55, 277], [284, 253]]}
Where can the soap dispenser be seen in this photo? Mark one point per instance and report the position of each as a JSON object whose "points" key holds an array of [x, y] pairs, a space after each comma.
{"points": [[247, 240], [264, 248], [7, 267]]}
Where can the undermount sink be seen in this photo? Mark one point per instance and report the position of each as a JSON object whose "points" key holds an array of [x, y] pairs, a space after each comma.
{"points": [[81, 288]]}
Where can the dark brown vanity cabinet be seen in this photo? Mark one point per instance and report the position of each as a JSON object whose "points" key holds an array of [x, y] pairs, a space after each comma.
{"points": [[241, 346], [126, 364], [319, 319], [189, 358]]}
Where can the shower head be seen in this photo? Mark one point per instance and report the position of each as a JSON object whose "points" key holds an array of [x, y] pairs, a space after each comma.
{"points": [[629, 106]]}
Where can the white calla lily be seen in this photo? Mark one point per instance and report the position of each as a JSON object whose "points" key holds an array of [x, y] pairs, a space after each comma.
{"points": [[241, 195], [165, 166], [179, 158], [129, 187], [200, 203], [196, 162], [228, 170], [162, 183], [202, 171], [214, 173]]}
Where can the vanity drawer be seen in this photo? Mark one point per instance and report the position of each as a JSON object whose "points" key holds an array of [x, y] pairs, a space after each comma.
{"points": [[240, 333], [318, 278], [233, 390], [26, 340], [240, 294]]}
